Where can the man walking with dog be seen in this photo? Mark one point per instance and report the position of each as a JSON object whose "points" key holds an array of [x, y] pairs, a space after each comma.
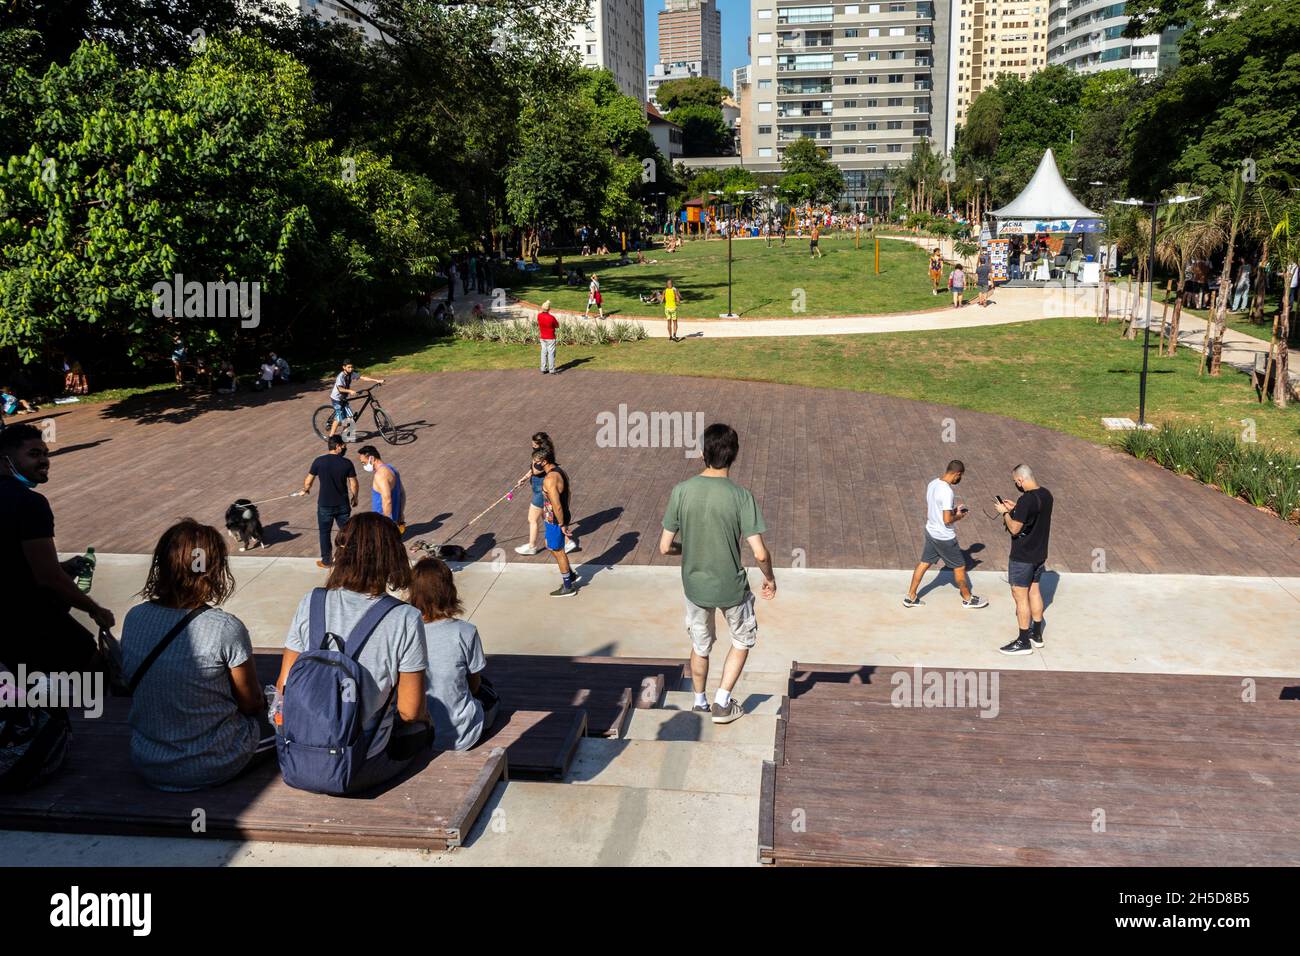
{"points": [[942, 515], [1029, 522], [387, 496], [714, 515], [338, 494]]}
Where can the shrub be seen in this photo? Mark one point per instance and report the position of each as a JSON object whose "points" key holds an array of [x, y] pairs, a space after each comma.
{"points": [[524, 331]]}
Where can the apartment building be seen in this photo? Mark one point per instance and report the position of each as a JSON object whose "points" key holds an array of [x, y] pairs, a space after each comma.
{"points": [[690, 31], [991, 38], [1088, 36], [613, 38], [866, 81]]}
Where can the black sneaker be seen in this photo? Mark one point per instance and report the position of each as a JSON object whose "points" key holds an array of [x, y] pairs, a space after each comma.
{"points": [[567, 589], [1036, 637], [1019, 646], [912, 602]]}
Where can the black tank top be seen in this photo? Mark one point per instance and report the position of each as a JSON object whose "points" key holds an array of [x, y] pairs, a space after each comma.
{"points": [[564, 499]]}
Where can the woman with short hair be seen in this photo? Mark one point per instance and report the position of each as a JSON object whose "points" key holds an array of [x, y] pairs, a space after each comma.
{"points": [[462, 703], [198, 718]]}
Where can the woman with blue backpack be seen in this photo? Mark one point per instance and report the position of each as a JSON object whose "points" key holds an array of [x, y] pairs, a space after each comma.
{"points": [[353, 711]]}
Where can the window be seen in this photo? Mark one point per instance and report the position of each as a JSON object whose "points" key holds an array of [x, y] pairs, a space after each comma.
{"points": [[765, 107], [871, 149], [873, 55], [894, 148], [764, 151], [591, 48], [899, 8], [894, 101], [764, 84], [894, 124], [805, 14], [850, 104], [850, 58], [848, 149], [872, 127], [872, 104], [764, 61], [765, 38], [894, 78], [850, 81], [850, 34], [873, 79], [897, 54], [873, 31], [850, 127], [895, 31], [873, 8], [851, 9], [765, 14], [765, 131]]}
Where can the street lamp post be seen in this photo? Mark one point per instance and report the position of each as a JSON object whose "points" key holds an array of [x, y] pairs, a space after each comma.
{"points": [[1151, 290], [731, 228]]}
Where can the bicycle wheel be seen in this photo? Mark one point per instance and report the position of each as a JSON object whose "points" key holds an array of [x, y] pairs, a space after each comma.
{"points": [[386, 427], [320, 421]]}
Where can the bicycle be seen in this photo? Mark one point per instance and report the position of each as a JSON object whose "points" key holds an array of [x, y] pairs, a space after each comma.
{"points": [[321, 418]]}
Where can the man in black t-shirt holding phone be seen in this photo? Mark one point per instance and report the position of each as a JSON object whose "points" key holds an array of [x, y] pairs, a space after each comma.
{"points": [[1029, 522]]}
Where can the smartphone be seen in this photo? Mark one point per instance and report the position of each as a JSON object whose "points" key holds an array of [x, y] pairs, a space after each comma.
{"points": [[999, 499]]}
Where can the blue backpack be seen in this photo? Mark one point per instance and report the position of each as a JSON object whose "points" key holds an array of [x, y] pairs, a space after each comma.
{"points": [[322, 745]]}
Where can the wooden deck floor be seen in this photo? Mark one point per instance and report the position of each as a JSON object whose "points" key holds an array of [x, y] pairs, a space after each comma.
{"points": [[1073, 769], [840, 476]]}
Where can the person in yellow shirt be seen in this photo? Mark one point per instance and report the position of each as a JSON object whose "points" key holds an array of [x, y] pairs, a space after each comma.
{"points": [[670, 310]]}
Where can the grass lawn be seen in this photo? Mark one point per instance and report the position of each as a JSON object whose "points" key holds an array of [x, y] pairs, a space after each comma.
{"points": [[1065, 374], [764, 281]]}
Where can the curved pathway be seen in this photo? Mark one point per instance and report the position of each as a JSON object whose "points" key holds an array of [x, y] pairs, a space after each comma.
{"points": [[840, 475]]}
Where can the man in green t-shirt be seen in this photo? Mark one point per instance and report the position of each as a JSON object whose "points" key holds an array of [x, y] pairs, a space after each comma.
{"points": [[713, 515]]}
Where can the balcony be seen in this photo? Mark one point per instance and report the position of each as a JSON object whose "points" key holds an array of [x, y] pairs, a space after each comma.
{"points": [[804, 90], [804, 44], [798, 113], [922, 85]]}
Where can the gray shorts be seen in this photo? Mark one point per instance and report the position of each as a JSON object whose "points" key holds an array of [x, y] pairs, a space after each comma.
{"points": [[1021, 574], [700, 624], [948, 551]]}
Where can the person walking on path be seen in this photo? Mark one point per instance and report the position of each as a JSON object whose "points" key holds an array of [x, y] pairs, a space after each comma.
{"points": [[713, 516], [936, 271], [556, 490], [387, 496], [1029, 522], [670, 310], [1241, 293], [957, 285], [537, 505], [982, 279], [338, 494], [546, 326], [942, 515], [594, 298]]}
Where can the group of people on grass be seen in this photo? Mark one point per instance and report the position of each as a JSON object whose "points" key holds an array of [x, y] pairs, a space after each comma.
{"points": [[220, 376], [957, 279]]}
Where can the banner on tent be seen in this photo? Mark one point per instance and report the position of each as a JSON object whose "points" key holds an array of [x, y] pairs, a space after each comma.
{"points": [[1025, 227]]}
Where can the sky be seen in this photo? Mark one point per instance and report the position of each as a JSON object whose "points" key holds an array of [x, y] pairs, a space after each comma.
{"points": [[735, 33]]}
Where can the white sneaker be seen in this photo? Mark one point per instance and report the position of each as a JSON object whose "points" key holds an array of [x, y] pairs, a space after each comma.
{"points": [[570, 545], [525, 549]]}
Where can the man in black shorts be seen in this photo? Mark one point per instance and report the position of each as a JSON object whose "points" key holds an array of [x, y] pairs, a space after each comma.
{"points": [[1029, 522]]}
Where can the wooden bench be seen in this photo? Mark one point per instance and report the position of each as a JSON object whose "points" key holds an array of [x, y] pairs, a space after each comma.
{"points": [[1100, 769]]}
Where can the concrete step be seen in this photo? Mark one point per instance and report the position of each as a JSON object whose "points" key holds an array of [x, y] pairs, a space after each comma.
{"points": [[548, 824], [670, 765], [661, 724], [751, 682], [753, 702]]}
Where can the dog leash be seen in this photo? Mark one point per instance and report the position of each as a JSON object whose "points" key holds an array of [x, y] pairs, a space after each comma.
{"points": [[296, 494], [508, 496]]}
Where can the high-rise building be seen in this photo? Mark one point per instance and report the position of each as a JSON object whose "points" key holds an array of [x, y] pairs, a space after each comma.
{"points": [[867, 81], [990, 38], [613, 38], [743, 92], [690, 31], [673, 71], [1088, 36], [330, 11]]}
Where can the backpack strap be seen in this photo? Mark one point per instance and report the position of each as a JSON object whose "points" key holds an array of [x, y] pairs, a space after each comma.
{"points": [[316, 620], [163, 645], [369, 621]]}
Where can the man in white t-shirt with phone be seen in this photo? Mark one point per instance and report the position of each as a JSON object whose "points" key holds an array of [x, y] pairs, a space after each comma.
{"points": [[942, 515]]}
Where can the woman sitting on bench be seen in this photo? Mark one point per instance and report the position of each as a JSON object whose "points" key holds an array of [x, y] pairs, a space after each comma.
{"points": [[197, 715], [462, 702]]}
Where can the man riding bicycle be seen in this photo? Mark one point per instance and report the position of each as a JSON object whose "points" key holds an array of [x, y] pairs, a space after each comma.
{"points": [[340, 392]]}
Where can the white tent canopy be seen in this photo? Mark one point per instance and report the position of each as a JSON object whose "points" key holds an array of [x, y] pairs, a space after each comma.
{"points": [[1045, 198]]}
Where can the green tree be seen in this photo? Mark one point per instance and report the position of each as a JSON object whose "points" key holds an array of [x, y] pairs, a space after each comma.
{"points": [[559, 176], [704, 131], [810, 176], [691, 91]]}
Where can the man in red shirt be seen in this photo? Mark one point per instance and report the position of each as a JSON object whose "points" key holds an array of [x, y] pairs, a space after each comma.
{"points": [[546, 326]]}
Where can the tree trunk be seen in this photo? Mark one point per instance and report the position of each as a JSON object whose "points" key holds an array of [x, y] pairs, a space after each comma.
{"points": [[1221, 307], [1281, 336], [1164, 315], [1178, 311]]}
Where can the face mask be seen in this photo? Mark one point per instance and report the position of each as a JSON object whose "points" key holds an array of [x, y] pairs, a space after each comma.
{"points": [[22, 479], [368, 467]]}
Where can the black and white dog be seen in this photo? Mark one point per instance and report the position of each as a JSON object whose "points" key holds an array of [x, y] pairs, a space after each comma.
{"points": [[447, 552], [244, 524]]}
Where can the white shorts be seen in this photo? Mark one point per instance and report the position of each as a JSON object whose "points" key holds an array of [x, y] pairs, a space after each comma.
{"points": [[700, 624]]}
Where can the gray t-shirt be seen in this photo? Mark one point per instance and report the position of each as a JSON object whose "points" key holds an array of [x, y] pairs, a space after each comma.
{"points": [[396, 647], [186, 730], [455, 652]]}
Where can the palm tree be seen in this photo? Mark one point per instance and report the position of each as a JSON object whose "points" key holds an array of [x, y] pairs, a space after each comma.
{"points": [[1238, 217], [1184, 237], [1281, 213]]}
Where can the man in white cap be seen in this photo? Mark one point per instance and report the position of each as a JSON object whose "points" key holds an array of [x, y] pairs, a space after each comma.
{"points": [[546, 326]]}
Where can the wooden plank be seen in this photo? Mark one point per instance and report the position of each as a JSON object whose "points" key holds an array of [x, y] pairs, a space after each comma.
{"points": [[538, 744], [766, 807]]}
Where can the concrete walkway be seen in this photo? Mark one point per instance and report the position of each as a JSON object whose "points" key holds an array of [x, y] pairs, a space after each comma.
{"points": [[677, 791]]}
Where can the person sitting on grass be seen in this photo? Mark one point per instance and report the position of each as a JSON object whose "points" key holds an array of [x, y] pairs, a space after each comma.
{"points": [[369, 561], [198, 718], [462, 703], [654, 298], [13, 405]]}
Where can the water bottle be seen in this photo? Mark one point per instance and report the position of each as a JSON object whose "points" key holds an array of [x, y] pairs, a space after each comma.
{"points": [[87, 571], [274, 706]]}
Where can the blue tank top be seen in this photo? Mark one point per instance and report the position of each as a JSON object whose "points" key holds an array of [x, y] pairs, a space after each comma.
{"points": [[539, 500], [398, 496]]}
